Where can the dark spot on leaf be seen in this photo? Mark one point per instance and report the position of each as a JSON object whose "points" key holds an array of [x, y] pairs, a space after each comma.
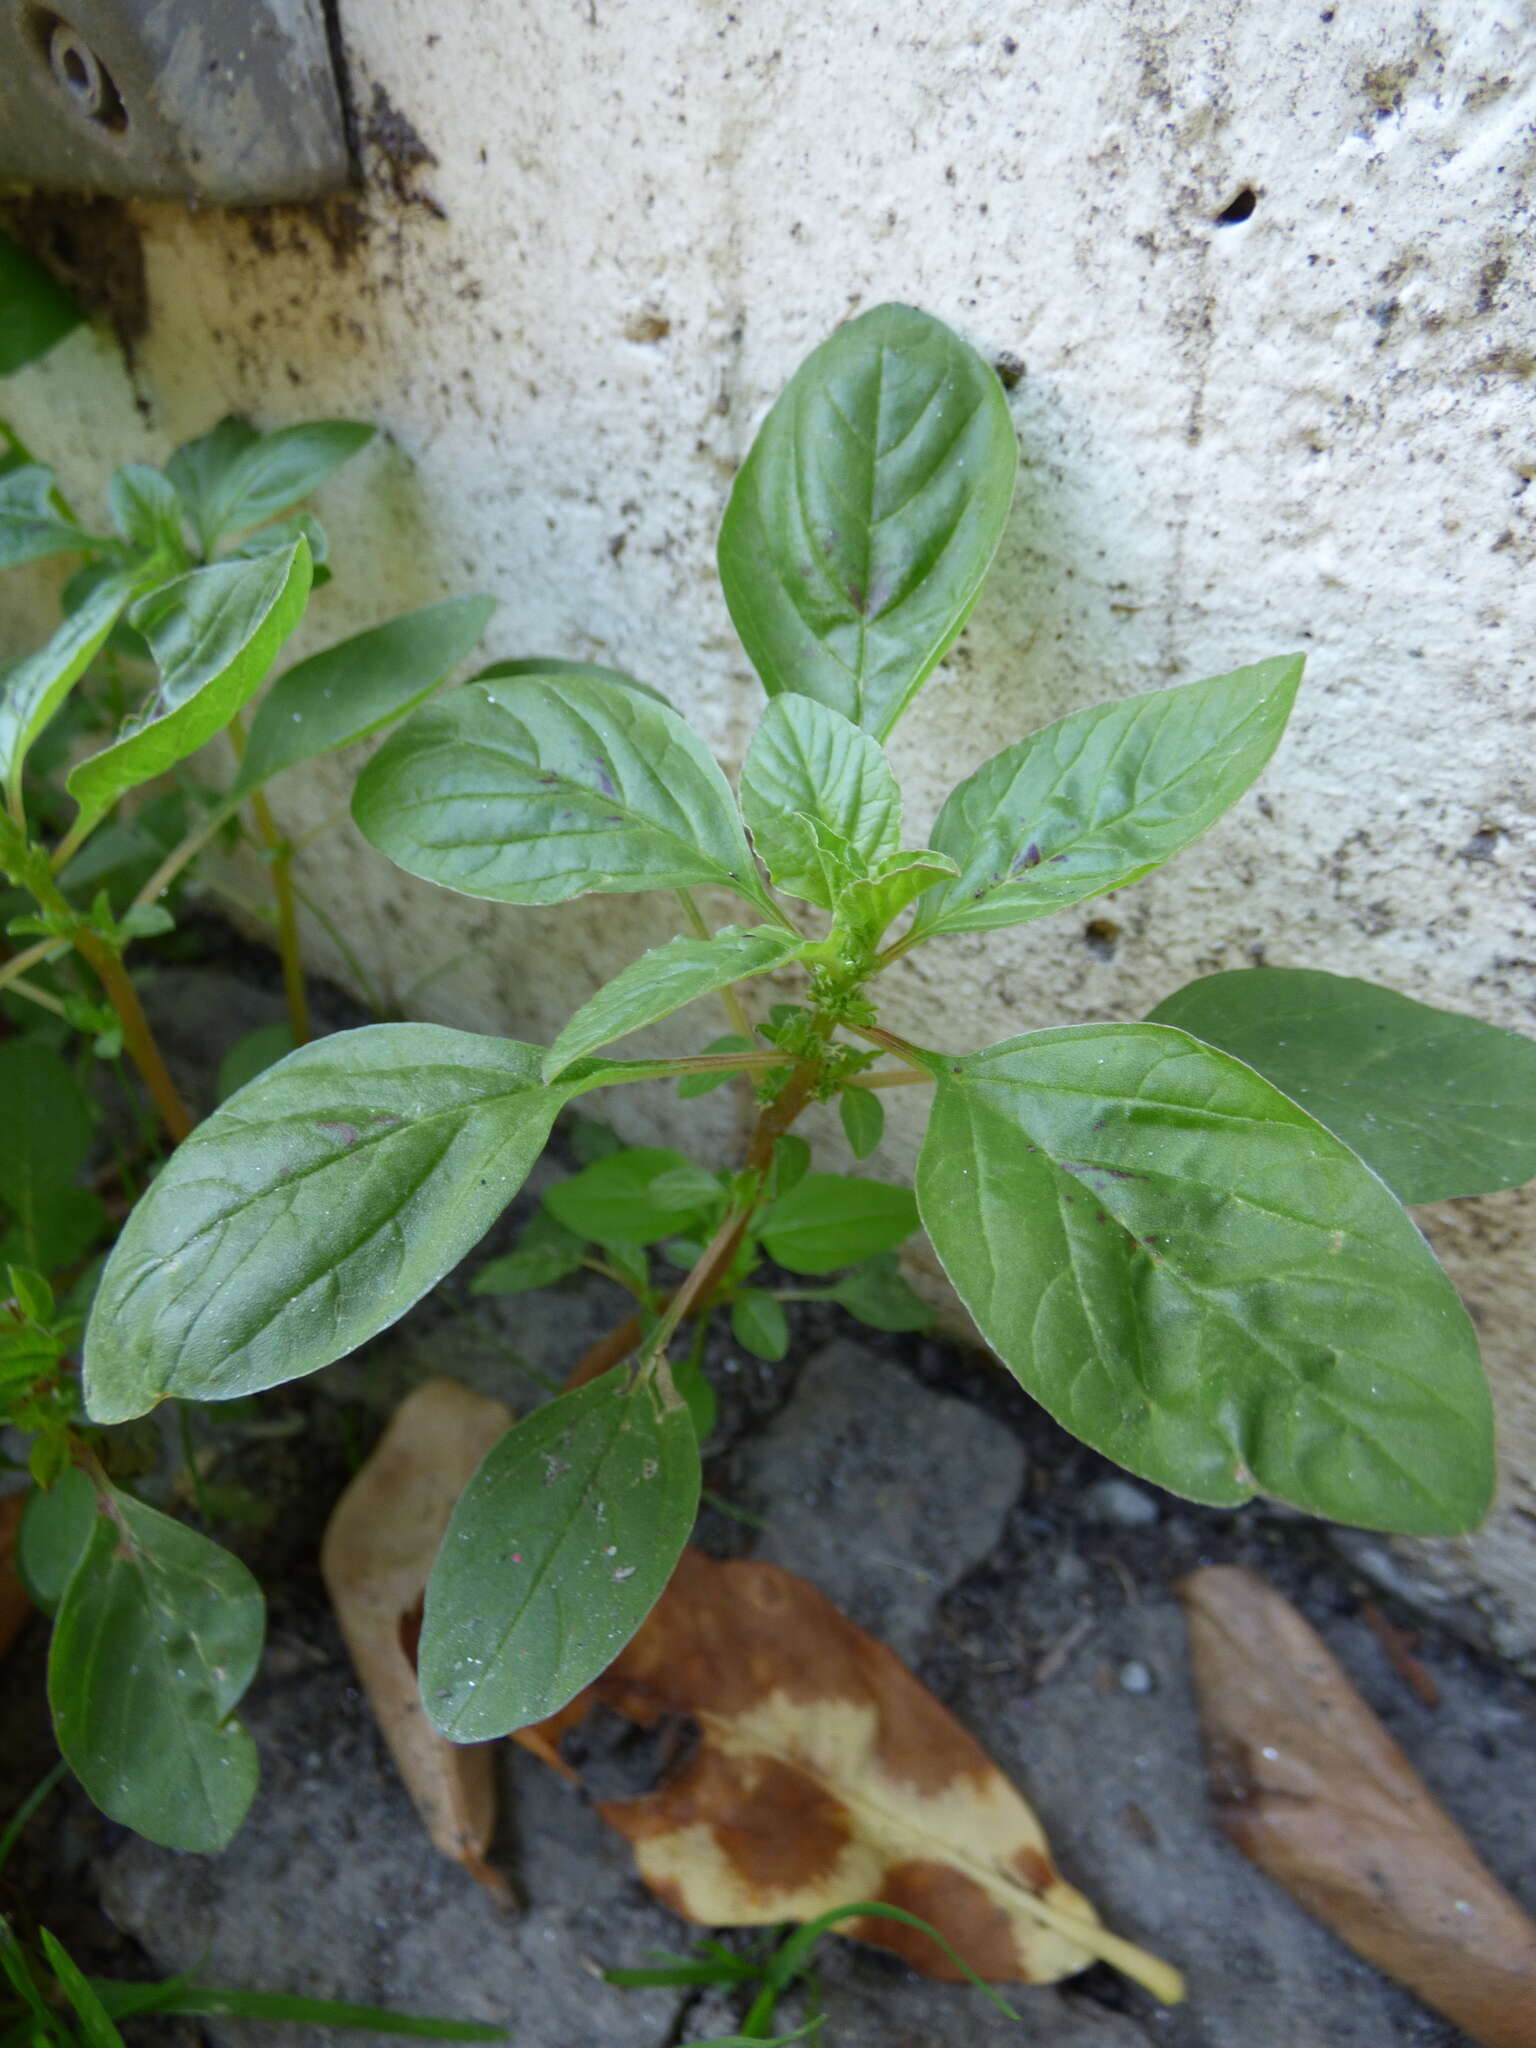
{"points": [[344, 1134], [1029, 858]]}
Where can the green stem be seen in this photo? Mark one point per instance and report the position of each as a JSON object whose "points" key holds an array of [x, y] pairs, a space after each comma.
{"points": [[34, 1799], [188, 850], [370, 988], [34, 956], [890, 1077], [138, 1039], [889, 1042], [34, 994]]}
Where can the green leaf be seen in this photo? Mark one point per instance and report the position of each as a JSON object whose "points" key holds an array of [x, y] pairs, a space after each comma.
{"points": [[791, 1163], [31, 525], [590, 1139], [96, 2028], [1438, 1104], [863, 1116], [829, 1220], [876, 1293], [311, 1210], [147, 512], [157, 1636], [31, 690], [759, 1324], [202, 2001], [34, 313], [269, 540], [557, 1551], [215, 633], [819, 798], [553, 665], [56, 1525], [866, 514], [348, 691], [546, 1252], [45, 1133], [1200, 1281], [691, 1085], [1102, 798], [667, 978], [252, 1055], [610, 1202], [867, 907], [269, 473], [31, 1293], [56, 1227], [543, 788], [198, 468]]}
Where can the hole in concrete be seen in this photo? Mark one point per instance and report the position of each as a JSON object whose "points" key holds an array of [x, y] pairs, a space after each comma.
{"points": [[1101, 935], [78, 72], [1239, 209]]}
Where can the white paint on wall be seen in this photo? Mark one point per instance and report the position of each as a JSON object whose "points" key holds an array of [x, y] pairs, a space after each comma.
{"points": [[1312, 428]]}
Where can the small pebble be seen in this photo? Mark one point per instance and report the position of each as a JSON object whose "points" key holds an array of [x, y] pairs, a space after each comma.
{"points": [[1116, 1500], [1135, 1677]]}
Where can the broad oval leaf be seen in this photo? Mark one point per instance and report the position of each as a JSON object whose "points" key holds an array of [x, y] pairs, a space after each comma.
{"points": [[1202, 1282], [666, 978], [556, 1553], [198, 468], [866, 514], [348, 691], [1438, 1104], [863, 1119], [31, 525], [270, 472], [156, 1638], [311, 1211], [31, 690], [819, 798], [215, 633], [830, 1220], [1102, 798], [547, 787]]}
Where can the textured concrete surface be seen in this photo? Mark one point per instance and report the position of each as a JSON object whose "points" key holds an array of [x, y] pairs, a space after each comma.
{"points": [[878, 1490], [595, 239]]}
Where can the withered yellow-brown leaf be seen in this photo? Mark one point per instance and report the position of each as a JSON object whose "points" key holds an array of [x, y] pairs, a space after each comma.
{"points": [[1309, 1784], [14, 1604], [379, 1545], [824, 1773]]}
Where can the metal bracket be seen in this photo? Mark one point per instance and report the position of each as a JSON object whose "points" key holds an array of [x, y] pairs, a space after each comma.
{"points": [[234, 102]]}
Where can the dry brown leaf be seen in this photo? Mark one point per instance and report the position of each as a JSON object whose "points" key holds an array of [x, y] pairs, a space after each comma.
{"points": [[1309, 1784], [378, 1549], [14, 1604], [824, 1773]]}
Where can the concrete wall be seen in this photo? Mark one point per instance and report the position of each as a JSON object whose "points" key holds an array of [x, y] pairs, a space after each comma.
{"points": [[1311, 428]]}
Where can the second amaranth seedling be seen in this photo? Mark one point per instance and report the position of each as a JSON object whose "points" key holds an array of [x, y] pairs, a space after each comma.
{"points": [[1184, 1235]]}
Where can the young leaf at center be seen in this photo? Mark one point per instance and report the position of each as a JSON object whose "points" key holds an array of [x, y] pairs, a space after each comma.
{"points": [[556, 1553], [820, 799], [1202, 1282]]}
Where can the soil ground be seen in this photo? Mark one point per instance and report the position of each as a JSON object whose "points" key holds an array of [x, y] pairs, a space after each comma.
{"points": [[1029, 1585]]}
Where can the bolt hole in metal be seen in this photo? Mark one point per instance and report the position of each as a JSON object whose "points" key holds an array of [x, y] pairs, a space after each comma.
{"points": [[78, 71]]}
